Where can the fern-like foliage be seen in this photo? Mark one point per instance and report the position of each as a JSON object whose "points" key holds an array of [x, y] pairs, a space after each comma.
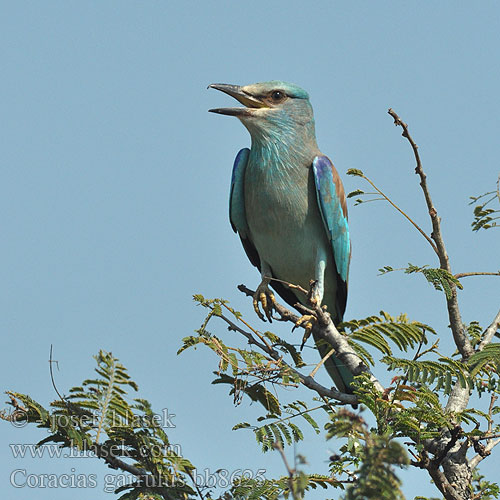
{"points": [[99, 418], [247, 371], [441, 279], [439, 374], [104, 396], [486, 360], [373, 458], [377, 331], [411, 408], [484, 367], [272, 489], [482, 488], [255, 391], [282, 427]]}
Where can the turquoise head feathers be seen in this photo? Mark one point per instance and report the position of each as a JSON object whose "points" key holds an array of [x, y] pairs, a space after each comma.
{"points": [[274, 110]]}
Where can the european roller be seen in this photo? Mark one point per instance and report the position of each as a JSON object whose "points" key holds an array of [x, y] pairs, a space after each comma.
{"points": [[288, 205]]}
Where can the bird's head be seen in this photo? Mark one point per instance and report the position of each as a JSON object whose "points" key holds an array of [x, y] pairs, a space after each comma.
{"points": [[271, 109]]}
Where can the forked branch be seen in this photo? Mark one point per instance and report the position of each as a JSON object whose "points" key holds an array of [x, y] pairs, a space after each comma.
{"points": [[459, 335]]}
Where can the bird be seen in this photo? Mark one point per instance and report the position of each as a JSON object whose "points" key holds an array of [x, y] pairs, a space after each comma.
{"points": [[288, 206]]}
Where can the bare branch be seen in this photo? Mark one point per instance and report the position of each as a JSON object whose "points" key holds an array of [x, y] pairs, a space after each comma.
{"points": [[474, 461], [490, 332], [250, 328], [455, 480], [291, 472], [458, 400], [484, 451], [142, 475], [443, 485], [459, 335], [325, 329]]}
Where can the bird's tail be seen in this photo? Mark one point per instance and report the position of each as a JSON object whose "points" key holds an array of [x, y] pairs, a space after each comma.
{"points": [[339, 373]]}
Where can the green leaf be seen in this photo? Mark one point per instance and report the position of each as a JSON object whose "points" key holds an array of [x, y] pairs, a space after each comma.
{"points": [[355, 172]]}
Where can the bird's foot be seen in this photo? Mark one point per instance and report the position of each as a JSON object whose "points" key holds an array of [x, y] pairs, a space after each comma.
{"points": [[265, 297], [307, 321]]}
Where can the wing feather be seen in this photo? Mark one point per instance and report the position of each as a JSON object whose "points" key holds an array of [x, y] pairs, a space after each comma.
{"points": [[237, 214], [333, 207]]}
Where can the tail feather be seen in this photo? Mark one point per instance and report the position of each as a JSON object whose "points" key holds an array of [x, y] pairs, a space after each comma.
{"points": [[339, 373]]}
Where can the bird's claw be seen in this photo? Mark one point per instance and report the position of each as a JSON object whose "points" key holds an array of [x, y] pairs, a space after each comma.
{"points": [[308, 321], [265, 297]]}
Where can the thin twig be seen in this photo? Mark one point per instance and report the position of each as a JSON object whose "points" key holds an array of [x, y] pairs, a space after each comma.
{"points": [[51, 362], [419, 229], [464, 275], [141, 474], [328, 404], [459, 397], [306, 380], [326, 330], [291, 472], [321, 363], [487, 436], [249, 327], [290, 285], [193, 479]]}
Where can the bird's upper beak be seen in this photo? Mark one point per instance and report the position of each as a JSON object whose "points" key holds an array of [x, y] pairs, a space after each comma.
{"points": [[238, 92]]}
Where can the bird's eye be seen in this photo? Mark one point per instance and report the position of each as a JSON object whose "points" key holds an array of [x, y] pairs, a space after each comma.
{"points": [[278, 96]]}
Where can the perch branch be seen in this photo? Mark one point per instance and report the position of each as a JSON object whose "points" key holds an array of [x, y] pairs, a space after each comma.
{"points": [[306, 380], [326, 330]]}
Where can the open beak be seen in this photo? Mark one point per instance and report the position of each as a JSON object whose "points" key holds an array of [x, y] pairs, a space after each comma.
{"points": [[240, 95]]}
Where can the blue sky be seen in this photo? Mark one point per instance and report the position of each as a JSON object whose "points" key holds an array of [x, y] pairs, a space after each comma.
{"points": [[114, 192]]}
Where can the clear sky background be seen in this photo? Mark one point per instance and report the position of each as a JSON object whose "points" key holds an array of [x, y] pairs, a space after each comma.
{"points": [[114, 187]]}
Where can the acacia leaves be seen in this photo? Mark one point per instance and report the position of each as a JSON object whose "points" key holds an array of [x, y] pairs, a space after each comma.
{"points": [[486, 218], [99, 418], [282, 427], [374, 456], [440, 279], [377, 331]]}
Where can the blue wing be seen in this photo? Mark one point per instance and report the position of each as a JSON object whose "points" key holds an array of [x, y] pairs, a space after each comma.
{"points": [[237, 214], [333, 208]]}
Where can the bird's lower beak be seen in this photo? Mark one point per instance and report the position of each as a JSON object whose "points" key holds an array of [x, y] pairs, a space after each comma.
{"points": [[240, 95]]}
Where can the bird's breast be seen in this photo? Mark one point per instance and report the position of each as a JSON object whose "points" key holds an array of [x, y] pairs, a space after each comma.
{"points": [[284, 220]]}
